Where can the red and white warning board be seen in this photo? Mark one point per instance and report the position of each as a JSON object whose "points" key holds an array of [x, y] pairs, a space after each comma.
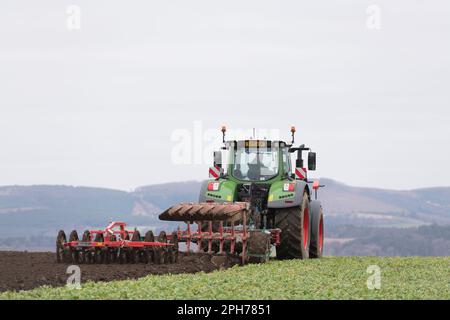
{"points": [[214, 172], [300, 173]]}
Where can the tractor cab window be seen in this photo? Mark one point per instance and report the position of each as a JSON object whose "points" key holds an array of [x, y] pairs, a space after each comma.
{"points": [[255, 164], [287, 161]]}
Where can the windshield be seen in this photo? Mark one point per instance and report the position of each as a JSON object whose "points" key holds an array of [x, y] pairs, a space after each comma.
{"points": [[255, 164]]}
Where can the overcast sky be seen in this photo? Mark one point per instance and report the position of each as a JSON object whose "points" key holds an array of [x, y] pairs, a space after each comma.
{"points": [[103, 105]]}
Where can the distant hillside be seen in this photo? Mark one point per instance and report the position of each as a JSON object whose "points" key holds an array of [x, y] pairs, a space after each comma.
{"points": [[42, 210], [379, 207]]}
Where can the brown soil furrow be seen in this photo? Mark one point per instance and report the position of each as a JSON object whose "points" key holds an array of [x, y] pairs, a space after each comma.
{"points": [[28, 270]]}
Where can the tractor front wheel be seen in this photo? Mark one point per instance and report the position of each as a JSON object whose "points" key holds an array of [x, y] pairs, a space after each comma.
{"points": [[295, 230]]}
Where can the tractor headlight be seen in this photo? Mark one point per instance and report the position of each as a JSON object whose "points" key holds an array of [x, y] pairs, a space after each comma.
{"points": [[213, 186], [289, 187]]}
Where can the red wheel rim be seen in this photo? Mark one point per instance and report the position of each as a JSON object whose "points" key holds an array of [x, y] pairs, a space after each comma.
{"points": [[321, 234], [305, 228]]}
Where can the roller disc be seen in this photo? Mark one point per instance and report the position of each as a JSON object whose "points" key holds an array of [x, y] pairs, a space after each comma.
{"points": [[112, 252], [86, 254], [74, 251], [135, 254], [122, 256], [149, 251], [60, 240], [160, 252], [99, 253], [174, 249]]}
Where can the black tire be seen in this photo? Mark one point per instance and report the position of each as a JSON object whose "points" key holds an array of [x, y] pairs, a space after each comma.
{"points": [[149, 251], [74, 251], [60, 251], [295, 227], [317, 230]]}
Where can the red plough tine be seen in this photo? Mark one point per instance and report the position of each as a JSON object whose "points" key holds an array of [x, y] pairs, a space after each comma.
{"points": [[224, 224]]}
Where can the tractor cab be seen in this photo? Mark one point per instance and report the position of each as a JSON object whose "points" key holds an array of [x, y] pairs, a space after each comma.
{"points": [[261, 161], [257, 160]]}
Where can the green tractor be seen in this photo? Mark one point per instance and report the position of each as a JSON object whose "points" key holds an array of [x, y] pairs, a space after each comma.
{"points": [[256, 200]]}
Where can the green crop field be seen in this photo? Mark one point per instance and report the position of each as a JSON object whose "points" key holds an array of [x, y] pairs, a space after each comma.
{"points": [[327, 278]]}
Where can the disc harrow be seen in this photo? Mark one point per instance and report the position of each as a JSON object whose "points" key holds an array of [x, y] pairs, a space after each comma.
{"points": [[114, 245]]}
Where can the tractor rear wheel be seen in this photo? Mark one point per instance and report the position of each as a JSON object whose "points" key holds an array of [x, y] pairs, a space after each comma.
{"points": [[317, 236], [295, 226]]}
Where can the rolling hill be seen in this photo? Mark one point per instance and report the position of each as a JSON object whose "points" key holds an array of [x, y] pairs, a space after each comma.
{"points": [[40, 211]]}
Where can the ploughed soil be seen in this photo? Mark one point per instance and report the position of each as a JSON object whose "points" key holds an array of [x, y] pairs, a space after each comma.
{"points": [[28, 270]]}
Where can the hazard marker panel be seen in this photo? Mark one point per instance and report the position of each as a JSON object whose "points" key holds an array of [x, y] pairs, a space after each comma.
{"points": [[300, 173], [214, 172]]}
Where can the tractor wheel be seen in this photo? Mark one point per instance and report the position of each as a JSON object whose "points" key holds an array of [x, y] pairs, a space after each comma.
{"points": [[74, 251], [295, 226], [173, 255], [149, 251], [317, 235], [60, 251], [99, 254], [258, 247], [160, 252], [135, 256]]}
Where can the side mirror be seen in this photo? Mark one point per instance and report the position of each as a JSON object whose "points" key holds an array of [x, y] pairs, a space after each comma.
{"points": [[218, 159], [311, 161]]}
